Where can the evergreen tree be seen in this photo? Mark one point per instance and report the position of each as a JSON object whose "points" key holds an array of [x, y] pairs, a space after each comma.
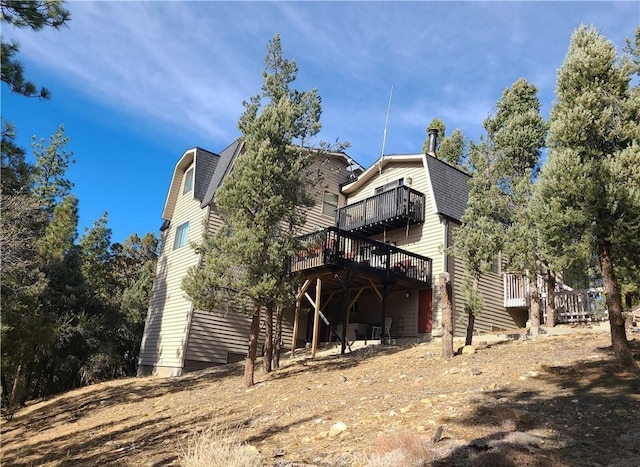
{"points": [[479, 239], [450, 149], [49, 172], [261, 203], [35, 15], [15, 174], [587, 200], [518, 132]]}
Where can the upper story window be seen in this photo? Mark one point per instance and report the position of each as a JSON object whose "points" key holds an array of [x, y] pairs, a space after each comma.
{"points": [[389, 186], [182, 236], [188, 181], [329, 203]]}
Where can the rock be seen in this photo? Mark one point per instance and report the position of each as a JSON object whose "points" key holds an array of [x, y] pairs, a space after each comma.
{"points": [[336, 429], [405, 409], [343, 378], [466, 350], [279, 453], [475, 371], [522, 378], [532, 374]]}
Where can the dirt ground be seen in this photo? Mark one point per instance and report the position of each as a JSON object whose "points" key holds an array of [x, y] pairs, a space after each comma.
{"points": [[558, 400]]}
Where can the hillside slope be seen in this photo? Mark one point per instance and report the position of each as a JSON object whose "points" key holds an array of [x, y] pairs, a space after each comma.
{"points": [[556, 400]]}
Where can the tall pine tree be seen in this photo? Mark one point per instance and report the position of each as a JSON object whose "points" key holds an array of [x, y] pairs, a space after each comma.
{"points": [[587, 201], [262, 205]]}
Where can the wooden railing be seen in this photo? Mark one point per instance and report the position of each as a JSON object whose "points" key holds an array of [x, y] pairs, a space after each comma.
{"points": [[399, 205], [572, 306], [332, 246]]}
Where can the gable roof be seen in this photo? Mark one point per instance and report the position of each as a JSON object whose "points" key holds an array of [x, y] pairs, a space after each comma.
{"points": [[450, 188], [227, 158], [449, 185], [204, 163]]}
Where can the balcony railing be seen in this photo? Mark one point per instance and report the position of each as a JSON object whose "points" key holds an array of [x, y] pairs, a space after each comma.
{"points": [[388, 210], [335, 247]]}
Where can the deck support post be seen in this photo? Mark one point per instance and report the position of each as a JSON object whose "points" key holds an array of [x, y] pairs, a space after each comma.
{"points": [[316, 318], [296, 323], [385, 290], [347, 307]]}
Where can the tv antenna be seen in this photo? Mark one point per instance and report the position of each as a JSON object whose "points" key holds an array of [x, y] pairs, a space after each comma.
{"points": [[384, 136]]}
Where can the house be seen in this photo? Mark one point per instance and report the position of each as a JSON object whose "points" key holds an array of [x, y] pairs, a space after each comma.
{"points": [[376, 244], [177, 337]]}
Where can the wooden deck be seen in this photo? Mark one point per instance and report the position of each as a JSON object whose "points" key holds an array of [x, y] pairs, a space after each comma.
{"points": [[339, 249], [391, 209]]}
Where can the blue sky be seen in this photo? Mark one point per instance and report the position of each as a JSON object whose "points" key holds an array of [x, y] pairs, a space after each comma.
{"points": [[138, 83]]}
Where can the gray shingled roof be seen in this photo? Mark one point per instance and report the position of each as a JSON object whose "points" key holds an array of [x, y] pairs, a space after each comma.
{"points": [[205, 168], [450, 188], [227, 156]]}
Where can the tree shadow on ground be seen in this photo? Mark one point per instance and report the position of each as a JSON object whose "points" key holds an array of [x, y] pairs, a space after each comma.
{"points": [[334, 362], [591, 420], [73, 405]]}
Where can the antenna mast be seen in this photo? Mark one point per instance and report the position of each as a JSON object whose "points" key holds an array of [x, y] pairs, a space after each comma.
{"points": [[386, 120]]}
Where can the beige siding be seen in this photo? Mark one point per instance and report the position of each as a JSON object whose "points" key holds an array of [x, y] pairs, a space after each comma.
{"points": [[332, 171], [425, 239], [167, 319]]}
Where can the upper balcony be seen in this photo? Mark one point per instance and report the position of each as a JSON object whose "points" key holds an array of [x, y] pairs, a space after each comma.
{"points": [[392, 209], [335, 248]]}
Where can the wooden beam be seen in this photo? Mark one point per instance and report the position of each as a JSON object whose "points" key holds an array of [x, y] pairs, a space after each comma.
{"points": [[296, 320], [312, 301], [327, 301], [316, 318], [303, 289], [355, 299], [375, 289]]}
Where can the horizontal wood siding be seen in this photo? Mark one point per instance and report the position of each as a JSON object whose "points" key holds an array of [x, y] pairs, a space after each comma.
{"points": [[493, 316], [331, 170], [168, 316], [214, 335]]}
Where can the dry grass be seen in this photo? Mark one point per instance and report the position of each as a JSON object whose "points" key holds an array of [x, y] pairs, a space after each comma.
{"points": [[214, 447], [402, 448]]}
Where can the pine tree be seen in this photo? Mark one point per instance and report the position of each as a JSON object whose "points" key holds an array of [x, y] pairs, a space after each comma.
{"points": [[450, 149], [479, 239], [49, 171], [518, 132], [261, 203], [35, 15], [587, 200]]}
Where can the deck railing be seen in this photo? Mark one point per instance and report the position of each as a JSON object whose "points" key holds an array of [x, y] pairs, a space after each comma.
{"points": [[401, 204], [572, 306], [332, 246]]}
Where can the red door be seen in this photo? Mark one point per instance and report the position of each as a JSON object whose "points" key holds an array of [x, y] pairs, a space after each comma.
{"points": [[425, 307]]}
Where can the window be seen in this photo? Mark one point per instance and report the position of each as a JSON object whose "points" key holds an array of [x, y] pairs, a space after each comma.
{"points": [[182, 235], [389, 186], [188, 181], [329, 203]]}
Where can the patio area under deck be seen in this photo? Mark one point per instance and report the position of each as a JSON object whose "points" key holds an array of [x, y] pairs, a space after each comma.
{"points": [[344, 265]]}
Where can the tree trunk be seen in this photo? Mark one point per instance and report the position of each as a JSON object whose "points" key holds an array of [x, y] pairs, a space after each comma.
{"points": [[471, 320], [250, 362], [277, 348], [551, 298], [471, 317], [268, 339], [614, 305], [444, 291], [534, 305], [14, 401]]}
